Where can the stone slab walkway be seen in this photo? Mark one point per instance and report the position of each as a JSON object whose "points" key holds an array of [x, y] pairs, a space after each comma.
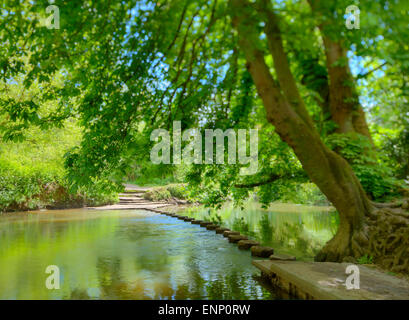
{"points": [[326, 280]]}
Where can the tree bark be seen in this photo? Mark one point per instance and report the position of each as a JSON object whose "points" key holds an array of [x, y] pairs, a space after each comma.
{"points": [[330, 172], [299, 176], [346, 110]]}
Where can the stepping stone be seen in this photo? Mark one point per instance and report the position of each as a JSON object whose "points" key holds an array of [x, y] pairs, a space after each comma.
{"points": [[196, 221], [260, 251], [227, 233], [220, 230], [211, 226], [282, 257], [247, 244], [205, 223], [236, 238]]}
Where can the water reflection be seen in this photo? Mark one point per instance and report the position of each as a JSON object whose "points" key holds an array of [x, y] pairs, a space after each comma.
{"points": [[266, 229], [141, 255], [113, 286], [290, 229], [121, 255]]}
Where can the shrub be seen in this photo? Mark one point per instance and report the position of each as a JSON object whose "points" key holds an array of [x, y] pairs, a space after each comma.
{"points": [[178, 191], [167, 192], [157, 194], [28, 188]]}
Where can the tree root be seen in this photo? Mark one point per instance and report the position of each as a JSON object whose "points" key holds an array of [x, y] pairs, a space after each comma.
{"points": [[389, 240], [385, 237]]}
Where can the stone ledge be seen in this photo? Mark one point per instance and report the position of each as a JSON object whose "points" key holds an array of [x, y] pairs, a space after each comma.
{"points": [[282, 257], [326, 281]]}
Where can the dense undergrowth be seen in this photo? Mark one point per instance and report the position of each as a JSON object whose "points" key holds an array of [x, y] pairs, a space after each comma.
{"points": [[32, 174]]}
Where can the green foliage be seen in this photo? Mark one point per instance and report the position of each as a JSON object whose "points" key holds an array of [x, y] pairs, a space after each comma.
{"points": [[377, 179], [155, 62], [157, 194], [178, 191], [292, 192], [365, 260], [168, 192], [20, 189], [32, 188], [32, 174], [146, 180], [396, 152], [99, 192]]}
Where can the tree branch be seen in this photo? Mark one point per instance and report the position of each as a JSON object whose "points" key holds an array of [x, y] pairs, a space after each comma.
{"points": [[364, 75], [274, 177]]}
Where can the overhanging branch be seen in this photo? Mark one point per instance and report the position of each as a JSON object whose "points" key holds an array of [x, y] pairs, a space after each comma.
{"points": [[274, 177]]}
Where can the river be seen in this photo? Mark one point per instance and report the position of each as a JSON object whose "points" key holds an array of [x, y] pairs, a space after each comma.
{"points": [[135, 254]]}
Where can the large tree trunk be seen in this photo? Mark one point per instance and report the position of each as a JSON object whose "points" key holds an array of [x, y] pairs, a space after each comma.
{"points": [[346, 110], [286, 111], [363, 229]]}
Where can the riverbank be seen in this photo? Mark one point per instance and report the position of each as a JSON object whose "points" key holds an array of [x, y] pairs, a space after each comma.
{"points": [[53, 193]]}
